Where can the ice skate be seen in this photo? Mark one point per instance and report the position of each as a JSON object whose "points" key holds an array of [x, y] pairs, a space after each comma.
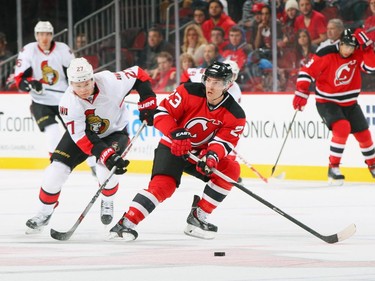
{"points": [[36, 224], [334, 175], [197, 225], [121, 232], [106, 212]]}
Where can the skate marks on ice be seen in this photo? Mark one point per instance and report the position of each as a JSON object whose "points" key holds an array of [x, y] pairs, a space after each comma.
{"points": [[258, 243]]}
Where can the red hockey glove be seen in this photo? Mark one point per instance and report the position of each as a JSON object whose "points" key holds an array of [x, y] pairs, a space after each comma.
{"points": [[206, 162], [362, 38], [300, 100], [147, 110], [111, 159], [181, 143]]}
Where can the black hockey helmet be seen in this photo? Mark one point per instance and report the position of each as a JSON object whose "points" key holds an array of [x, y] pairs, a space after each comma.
{"points": [[219, 70], [347, 38]]}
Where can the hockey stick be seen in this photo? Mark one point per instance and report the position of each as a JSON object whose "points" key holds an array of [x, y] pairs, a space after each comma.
{"points": [[66, 235], [282, 147], [250, 166], [338, 237]]}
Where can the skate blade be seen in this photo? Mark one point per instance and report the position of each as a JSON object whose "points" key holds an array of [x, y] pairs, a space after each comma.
{"points": [[31, 231], [334, 182], [197, 232], [113, 236]]}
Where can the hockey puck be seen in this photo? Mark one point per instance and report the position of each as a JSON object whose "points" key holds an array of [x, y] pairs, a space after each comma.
{"points": [[219, 254]]}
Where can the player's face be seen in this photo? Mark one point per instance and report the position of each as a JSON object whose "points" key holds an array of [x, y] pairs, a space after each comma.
{"points": [[214, 90], [346, 50], [83, 89], [44, 40]]}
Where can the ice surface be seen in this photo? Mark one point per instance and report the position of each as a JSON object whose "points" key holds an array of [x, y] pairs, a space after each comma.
{"points": [[259, 243]]}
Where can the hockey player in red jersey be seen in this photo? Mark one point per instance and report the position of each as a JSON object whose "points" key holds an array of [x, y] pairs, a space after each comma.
{"points": [[336, 71], [96, 118], [201, 118]]}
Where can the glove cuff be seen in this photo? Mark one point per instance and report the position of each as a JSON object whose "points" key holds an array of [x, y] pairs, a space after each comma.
{"points": [[149, 103], [180, 134], [301, 94], [105, 154]]}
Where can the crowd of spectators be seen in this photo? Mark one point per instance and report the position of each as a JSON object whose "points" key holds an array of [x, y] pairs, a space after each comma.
{"points": [[241, 31], [302, 28]]}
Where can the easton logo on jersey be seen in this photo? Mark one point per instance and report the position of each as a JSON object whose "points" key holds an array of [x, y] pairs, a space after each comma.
{"points": [[96, 124], [202, 130], [344, 74]]}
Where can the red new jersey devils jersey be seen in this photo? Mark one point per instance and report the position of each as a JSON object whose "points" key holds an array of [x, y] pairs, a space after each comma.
{"points": [[216, 128], [337, 79]]}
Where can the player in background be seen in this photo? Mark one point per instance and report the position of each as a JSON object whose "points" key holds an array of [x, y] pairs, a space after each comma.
{"points": [[195, 75], [95, 114], [41, 70], [336, 72], [201, 118]]}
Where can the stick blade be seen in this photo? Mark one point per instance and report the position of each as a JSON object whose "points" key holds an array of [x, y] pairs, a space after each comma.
{"points": [[61, 236], [347, 232], [342, 235]]}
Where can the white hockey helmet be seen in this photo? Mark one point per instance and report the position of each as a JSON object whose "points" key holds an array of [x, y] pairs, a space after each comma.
{"points": [[235, 68], [43, 26], [80, 70]]}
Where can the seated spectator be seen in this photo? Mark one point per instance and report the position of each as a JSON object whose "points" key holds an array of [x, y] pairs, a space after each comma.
{"points": [[186, 61], [370, 21], [287, 23], [194, 43], [334, 29], [258, 73], [237, 49], [251, 25], [217, 17], [263, 38], [217, 37], [304, 51], [164, 77], [155, 44], [314, 22], [199, 15], [211, 54]]}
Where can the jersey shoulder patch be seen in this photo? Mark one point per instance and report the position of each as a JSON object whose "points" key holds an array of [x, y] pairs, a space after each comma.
{"points": [[196, 89], [233, 107], [331, 49]]}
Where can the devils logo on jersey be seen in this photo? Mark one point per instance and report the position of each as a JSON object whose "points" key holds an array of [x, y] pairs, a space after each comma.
{"points": [[96, 124], [202, 130], [344, 74]]}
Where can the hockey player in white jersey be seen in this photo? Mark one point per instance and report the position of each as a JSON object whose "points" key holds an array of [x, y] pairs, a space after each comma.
{"points": [[195, 75], [95, 114], [41, 71]]}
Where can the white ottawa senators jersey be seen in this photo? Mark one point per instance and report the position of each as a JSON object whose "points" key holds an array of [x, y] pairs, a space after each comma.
{"points": [[195, 75], [105, 111], [337, 79], [47, 68], [217, 126]]}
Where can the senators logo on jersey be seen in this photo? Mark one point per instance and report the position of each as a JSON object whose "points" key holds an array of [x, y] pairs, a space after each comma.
{"points": [[96, 124], [50, 76]]}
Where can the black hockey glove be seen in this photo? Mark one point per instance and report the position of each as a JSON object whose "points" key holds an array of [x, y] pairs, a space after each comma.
{"points": [[35, 87], [111, 159], [147, 110], [207, 162]]}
